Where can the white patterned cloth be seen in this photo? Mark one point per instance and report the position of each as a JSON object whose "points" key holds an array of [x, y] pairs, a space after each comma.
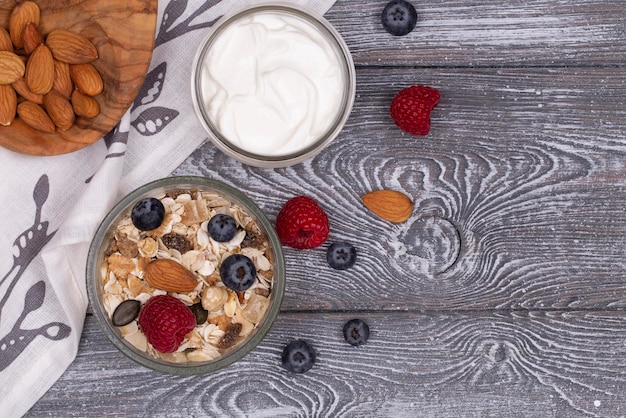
{"points": [[53, 205]]}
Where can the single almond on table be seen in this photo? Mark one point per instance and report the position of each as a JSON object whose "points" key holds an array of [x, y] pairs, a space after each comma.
{"points": [[62, 80], [11, 67], [31, 37], [22, 89], [71, 47], [24, 13], [8, 104], [6, 44], [390, 205], [86, 79], [39, 73], [85, 106], [170, 276], [59, 109], [35, 117]]}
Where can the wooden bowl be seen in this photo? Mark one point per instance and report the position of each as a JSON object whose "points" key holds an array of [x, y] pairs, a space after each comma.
{"points": [[123, 33]]}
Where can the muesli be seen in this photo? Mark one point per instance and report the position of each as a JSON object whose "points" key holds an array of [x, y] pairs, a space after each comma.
{"points": [[224, 317]]}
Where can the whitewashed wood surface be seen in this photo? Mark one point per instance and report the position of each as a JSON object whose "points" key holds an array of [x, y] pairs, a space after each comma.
{"points": [[504, 295]]}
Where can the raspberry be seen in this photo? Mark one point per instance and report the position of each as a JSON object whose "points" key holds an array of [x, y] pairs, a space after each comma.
{"points": [[165, 321], [411, 107], [302, 223]]}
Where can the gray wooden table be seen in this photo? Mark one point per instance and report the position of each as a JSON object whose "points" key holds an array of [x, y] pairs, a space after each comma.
{"points": [[503, 295]]}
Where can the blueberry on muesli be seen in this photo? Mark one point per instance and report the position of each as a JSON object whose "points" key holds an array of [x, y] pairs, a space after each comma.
{"points": [[148, 214], [238, 272], [222, 227]]}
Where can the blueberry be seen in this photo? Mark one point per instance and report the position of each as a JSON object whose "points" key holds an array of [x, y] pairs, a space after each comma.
{"points": [[356, 332], [222, 228], [341, 255], [148, 214], [399, 17], [298, 356], [238, 272]]}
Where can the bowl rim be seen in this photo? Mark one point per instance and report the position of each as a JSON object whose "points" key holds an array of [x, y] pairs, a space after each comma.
{"points": [[93, 269], [260, 160]]}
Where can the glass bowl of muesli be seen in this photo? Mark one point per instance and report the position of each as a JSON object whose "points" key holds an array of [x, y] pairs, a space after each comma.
{"points": [[185, 275]]}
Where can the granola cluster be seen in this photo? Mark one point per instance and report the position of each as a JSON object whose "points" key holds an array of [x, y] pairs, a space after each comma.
{"points": [[229, 316]]}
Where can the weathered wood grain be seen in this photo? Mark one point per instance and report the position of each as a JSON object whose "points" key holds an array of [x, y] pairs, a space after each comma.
{"points": [[429, 364], [487, 33], [518, 193]]}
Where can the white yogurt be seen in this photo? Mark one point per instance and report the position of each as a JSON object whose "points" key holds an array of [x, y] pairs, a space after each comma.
{"points": [[272, 83]]}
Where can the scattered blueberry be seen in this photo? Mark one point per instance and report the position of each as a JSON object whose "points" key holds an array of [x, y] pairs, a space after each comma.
{"points": [[238, 272], [298, 356], [399, 17], [341, 255], [356, 332], [148, 214], [126, 312], [222, 227]]}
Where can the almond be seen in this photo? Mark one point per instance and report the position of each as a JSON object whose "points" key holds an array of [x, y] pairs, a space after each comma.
{"points": [[59, 109], [5, 40], [170, 276], [24, 13], [85, 106], [31, 37], [62, 80], [71, 47], [35, 117], [87, 79], [39, 73], [8, 104], [390, 205], [22, 89], [11, 67]]}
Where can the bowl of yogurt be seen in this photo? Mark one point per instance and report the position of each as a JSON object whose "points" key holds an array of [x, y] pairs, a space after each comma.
{"points": [[273, 84]]}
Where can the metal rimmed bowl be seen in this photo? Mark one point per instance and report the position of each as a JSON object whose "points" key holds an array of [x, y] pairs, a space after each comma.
{"points": [[247, 150], [105, 292]]}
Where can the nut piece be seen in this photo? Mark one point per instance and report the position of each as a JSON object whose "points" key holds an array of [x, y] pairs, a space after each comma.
{"points": [[170, 276], [31, 37], [85, 106], [35, 117], [390, 205], [39, 73], [71, 47], [24, 13], [87, 79], [11, 67], [22, 89], [62, 80], [59, 109], [5, 40], [8, 104]]}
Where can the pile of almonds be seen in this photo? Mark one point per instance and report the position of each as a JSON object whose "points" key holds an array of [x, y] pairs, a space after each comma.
{"points": [[47, 82]]}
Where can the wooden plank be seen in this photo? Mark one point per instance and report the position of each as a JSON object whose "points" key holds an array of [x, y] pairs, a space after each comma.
{"points": [[487, 33], [518, 189], [431, 364]]}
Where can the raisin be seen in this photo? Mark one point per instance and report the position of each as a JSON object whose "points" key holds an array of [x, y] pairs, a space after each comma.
{"points": [[176, 242], [230, 337]]}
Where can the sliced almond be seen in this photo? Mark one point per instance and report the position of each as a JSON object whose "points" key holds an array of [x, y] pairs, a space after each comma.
{"points": [[390, 205]]}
